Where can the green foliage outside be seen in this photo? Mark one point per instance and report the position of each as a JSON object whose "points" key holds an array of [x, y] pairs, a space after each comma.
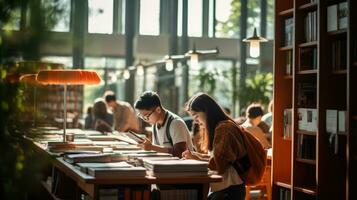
{"points": [[20, 165], [259, 89]]}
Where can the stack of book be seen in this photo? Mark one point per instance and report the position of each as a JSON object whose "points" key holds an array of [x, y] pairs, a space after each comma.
{"points": [[176, 168], [112, 170]]}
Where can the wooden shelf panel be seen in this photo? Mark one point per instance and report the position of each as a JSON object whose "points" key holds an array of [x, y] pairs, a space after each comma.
{"points": [[302, 132], [308, 44], [355, 63], [284, 185], [308, 6], [288, 77], [306, 190], [311, 71], [338, 32], [288, 12], [286, 48], [307, 161], [344, 71]]}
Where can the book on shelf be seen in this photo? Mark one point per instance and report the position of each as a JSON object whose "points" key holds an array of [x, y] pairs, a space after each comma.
{"points": [[339, 55], [306, 147], [307, 119], [310, 23], [307, 58], [289, 31], [306, 96], [288, 127], [337, 15], [289, 63], [342, 123], [332, 18], [284, 194], [342, 15], [331, 121]]}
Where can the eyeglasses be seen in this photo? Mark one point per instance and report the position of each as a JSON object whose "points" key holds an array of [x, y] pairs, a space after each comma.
{"points": [[146, 117]]}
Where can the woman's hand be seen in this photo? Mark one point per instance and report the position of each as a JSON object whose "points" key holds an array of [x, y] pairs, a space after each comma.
{"points": [[188, 155], [146, 144]]}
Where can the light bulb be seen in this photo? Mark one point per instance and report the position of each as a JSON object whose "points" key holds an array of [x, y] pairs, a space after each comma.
{"points": [[254, 50], [169, 64], [140, 70], [194, 60], [126, 74]]}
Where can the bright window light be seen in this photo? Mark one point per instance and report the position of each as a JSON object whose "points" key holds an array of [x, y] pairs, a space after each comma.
{"points": [[149, 17], [194, 18], [100, 16]]}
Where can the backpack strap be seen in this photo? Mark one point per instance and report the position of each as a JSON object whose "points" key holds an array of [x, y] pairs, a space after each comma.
{"points": [[168, 135], [167, 131]]}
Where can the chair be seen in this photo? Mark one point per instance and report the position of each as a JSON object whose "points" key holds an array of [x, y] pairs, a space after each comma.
{"points": [[264, 186]]}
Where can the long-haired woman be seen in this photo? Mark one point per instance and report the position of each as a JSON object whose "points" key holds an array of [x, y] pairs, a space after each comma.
{"points": [[224, 145]]}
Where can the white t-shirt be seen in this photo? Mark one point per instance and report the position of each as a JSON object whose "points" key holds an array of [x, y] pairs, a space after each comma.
{"points": [[177, 130]]}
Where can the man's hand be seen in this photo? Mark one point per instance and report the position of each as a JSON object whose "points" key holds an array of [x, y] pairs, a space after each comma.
{"points": [[146, 145]]}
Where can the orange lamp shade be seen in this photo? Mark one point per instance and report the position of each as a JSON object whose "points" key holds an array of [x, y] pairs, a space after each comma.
{"points": [[29, 78], [71, 77]]}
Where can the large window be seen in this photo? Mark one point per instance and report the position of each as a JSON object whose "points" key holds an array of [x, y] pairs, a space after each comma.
{"points": [[149, 17], [100, 16], [109, 70], [227, 17], [58, 14], [213, 77], [194, 28]]}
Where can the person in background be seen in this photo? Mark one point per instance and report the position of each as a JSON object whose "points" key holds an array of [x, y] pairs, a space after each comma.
{"points": [[254, 116], [88, 120], [102, 119], [170, 133], [268, 117], [124, 114], [241, 119], [224, 145]]}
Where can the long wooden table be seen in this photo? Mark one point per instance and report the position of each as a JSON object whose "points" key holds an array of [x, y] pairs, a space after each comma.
{"points": [[78, 182], [91, 185]]}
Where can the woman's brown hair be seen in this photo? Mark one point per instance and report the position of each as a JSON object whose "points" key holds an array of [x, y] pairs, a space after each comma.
{"points": [[202, 102]]}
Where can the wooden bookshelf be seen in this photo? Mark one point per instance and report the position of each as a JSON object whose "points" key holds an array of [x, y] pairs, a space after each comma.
{"points": [[308, 6], [284, 185], [306, 190], [288, 12], [308, 44], [326, 59], [287, 48], [307, 161], [337, 32], [351, 102], [312, 71], [306, 132]]}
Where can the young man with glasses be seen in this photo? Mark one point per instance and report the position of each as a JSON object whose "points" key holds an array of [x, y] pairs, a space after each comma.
{"points": [[169, 132]]}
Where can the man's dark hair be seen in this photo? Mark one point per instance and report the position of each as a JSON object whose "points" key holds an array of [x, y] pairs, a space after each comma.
{"points": [[254, 110], [110, 97], [147, 101]]}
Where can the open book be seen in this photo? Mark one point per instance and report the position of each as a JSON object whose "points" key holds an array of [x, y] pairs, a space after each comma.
{"points": [[129, 137]]}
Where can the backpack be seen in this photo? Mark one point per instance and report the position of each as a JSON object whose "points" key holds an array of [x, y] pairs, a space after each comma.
{"points": [[167, 131], [251, 166]]}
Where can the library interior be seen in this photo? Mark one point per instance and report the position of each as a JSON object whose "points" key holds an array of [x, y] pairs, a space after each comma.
{"points": [[178, 99]]}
